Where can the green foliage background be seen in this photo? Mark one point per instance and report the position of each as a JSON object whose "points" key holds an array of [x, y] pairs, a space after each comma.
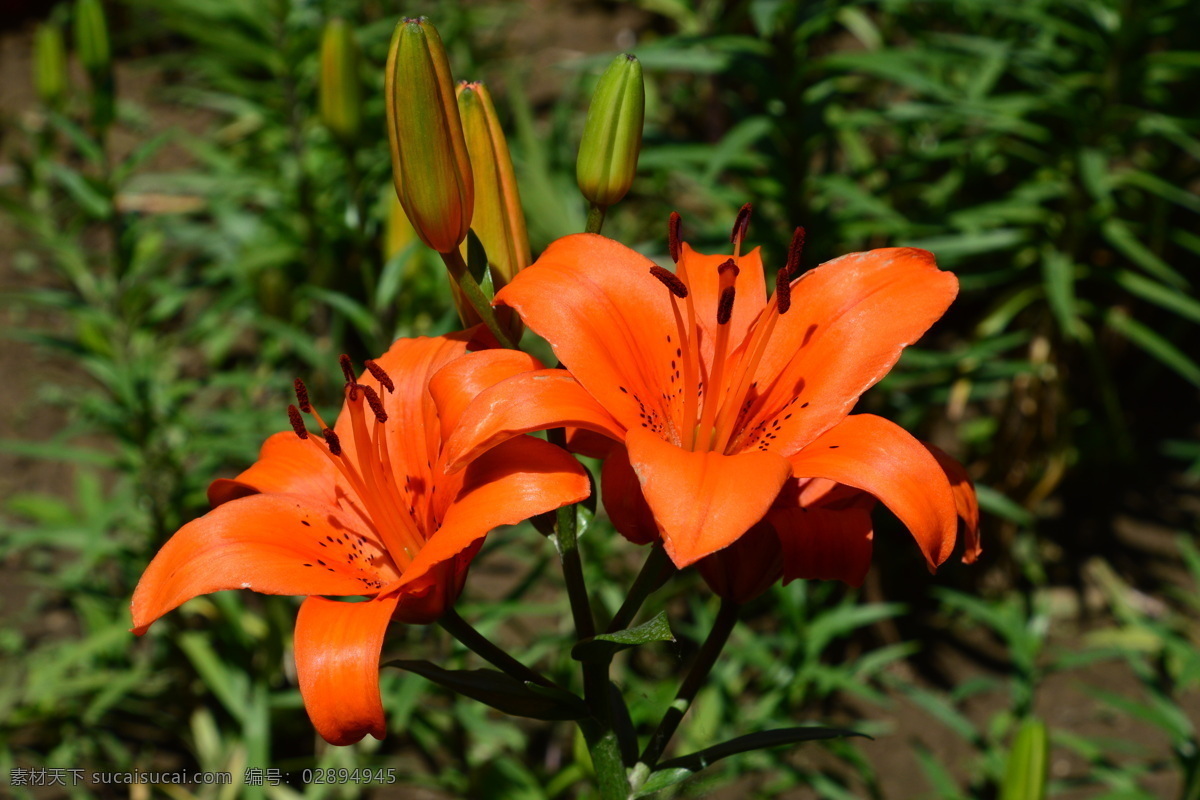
{"points": [[1048, 151]]}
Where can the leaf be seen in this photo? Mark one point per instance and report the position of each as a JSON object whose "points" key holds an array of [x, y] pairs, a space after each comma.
{"points": [[1155, 292], [605, 645], [1025, 777], [682, 768], [1121, 237], [501, 691], [1154, 344]]}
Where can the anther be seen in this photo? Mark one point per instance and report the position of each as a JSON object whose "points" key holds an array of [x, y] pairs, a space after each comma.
{"points": [[374, 402], [795, 250], [384, 379], [725, 306], [783, 290], [729, 265], [302, 395], [347, 368], [741, 224], [297, 422], [673, 225], [670, 280], [332, 440]]}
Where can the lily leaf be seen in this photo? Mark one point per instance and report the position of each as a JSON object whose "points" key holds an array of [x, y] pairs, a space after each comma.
{"points": [[680, 769], [605, 645], [500, 691]]}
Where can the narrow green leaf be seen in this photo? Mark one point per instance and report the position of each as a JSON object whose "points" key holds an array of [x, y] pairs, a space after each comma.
{"points": [[755, 741], [1164, 296], [1025, 777], [1154, 344], [501, 691], [605, 645]]}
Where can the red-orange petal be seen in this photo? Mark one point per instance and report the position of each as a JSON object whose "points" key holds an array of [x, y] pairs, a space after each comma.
{"points": [[455, 385], [269, 543], [705, 286], [965, 502], [703, 501], [745, 569], [879, 457], [824, 544], [511, 482], [530, 401], [623, 499], [849, 321], [287, 465], [607, 318], [337, 649]]}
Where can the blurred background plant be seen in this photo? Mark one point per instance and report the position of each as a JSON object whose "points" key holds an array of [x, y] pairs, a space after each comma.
{"points": [[188, 225]]}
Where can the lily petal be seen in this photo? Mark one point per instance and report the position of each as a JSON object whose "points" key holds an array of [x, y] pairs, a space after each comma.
{"points": [[705, 285], [824, 544], [850, 319], [511, 482], [879, 457], [623, 499], [965, 501], [270, 543], [703, 501], [459, 382], [607, 318], [337, 650], [530, 401], [286, 464]]}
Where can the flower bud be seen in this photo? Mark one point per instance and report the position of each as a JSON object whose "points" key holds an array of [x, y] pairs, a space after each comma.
{"points": [[50, 64], [430, 165], [612, 136], [340, 88], [497, 218], [91, 38]]}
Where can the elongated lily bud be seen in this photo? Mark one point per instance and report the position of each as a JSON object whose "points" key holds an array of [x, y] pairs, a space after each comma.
{"points": [[612, 136], [497, 219], [95, 53], [50, 64], [340, 88], [430, 165], [91, 37]]}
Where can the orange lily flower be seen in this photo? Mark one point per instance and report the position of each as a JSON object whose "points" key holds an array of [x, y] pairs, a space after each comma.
{"points": [[716, 396], [366, 509]]}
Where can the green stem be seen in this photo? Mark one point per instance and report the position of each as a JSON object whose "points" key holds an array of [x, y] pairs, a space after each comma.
{"points": [[695, 680], [475, 296], [653, 574], [476, 642], [595, 220], [605, 750]]}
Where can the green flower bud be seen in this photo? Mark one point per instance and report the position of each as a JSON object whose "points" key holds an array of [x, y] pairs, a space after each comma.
{"points": [[612, 136], [91, 38], [497, 218], [430, 165], [50, 64], [340, 88]]}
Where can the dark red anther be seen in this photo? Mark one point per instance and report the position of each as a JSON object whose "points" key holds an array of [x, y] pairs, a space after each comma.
{"points": [[725, 305], [302, 395], [374, 402], [347, 368], [729, 265], [297, 422], [670, 280], [783, 290], [384, 379], [673, 242], [795, 251], [332, 440], [741, 224]]}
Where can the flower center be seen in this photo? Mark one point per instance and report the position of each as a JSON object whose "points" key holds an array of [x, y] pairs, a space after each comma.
{"points": [[367, 464], [715, 402]]}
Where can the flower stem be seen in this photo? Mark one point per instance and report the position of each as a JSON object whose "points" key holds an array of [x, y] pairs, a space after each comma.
{"points": [[653, 574], [475, 296], [695, 680], [595, 219], [475, 641]]}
